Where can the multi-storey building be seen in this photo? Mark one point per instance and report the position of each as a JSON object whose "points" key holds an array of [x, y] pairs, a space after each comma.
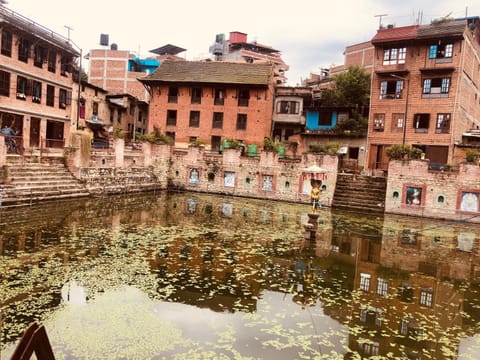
{"points": [[210, 101], [36, 84], [117, 71], [425, 90], [238, 49]]}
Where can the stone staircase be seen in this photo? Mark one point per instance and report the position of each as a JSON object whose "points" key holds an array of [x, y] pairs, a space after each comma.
{"points": [[360, 193], [33, 182]]}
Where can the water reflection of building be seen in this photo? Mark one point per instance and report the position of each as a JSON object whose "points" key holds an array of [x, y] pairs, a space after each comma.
{"points": [[407, 284]]}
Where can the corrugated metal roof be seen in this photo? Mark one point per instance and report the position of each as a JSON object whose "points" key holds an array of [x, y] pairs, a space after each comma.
{"points": [[453, 28], [218, 72], [395, 34]]}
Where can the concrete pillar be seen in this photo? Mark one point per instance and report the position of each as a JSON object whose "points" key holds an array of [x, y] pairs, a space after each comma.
{"points": [[147, 153], [119, 148], [3, 151]]}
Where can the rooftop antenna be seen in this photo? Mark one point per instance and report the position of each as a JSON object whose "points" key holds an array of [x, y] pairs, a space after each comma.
{"points": [[380, 19], [69, 28]]}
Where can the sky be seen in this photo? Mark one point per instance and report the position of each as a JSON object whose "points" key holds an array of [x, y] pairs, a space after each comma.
{"points": [[310, 34]]}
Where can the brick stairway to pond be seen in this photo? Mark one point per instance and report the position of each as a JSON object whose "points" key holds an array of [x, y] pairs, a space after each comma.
{"points": [[360, 192], [33, 182]]}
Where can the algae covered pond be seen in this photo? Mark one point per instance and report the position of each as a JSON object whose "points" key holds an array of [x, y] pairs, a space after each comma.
{"points": [[189, 276]]}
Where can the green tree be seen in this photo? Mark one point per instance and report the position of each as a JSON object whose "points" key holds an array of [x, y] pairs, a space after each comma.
{"points": [[349, 89]]}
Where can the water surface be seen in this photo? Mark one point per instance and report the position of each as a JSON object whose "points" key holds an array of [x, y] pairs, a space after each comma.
{"points": [[188, 276]]}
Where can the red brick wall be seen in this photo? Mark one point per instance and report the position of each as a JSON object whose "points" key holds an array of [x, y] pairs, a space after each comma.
{"points": [[259, 115]]}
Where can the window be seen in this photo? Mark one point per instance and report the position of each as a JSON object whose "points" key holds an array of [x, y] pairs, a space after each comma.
{"points": [[52, 59], [119, 116], [391, 89], [241, 121], [378, 122], [219, 97], [62, 99], [22, 87], [421, 122], [194, 119], [243, 97], [398, 119], [441, 51], [217, 120], [414, 196], [426, 297], [287, 107], [267, 182], [196, 93], [394, 56], [23, 49], [36, 91], [229, 179], [325, 118], [443, 124], [365, 282], [436, 87], [40, 56], [50, 95], [171, 117], [469, 201], [64, 65], [173, 95], [4, 83], [382, 286], [6, 43], [171, 135]]}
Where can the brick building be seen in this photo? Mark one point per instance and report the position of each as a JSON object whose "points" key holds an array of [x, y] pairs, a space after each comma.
{"points": [[210, 101], [36, 83], [425, 90]]}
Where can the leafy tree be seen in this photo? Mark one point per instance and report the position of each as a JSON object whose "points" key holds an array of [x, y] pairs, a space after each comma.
{"points": [[350, 89]]}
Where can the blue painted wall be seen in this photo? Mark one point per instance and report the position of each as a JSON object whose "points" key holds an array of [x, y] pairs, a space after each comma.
{"points": [[312, 121]]}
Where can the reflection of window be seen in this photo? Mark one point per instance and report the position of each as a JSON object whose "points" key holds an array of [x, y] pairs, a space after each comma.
{"points": [[405, 292], [409, 237], [469, 201], [365, 282], [465, 242], [227, 210], [191, 206], [382, 286], [426, 297], [414, 196]]}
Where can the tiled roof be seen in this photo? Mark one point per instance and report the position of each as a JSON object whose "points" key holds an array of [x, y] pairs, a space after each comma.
{"points": [[442, 29], [214, 72], [395, 34]]}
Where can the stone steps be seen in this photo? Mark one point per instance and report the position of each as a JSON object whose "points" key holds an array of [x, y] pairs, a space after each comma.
{"points": [[358, 192], [39, 182]]}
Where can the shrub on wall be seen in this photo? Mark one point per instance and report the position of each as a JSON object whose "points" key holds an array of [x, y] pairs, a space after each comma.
{"points": [[330, 148], [155, 137], [471, 155], [401, 152]]}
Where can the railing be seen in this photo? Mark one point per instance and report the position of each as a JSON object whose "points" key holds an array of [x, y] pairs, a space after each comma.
{"points": [[54, 143]]}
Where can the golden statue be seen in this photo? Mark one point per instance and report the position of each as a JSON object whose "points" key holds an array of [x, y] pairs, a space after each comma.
{"points": [[315, 195]]}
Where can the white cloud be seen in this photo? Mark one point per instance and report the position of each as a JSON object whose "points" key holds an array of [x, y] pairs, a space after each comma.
{"points": [[309, 33]]}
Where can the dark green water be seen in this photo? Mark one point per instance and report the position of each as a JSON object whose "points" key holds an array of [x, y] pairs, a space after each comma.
{"points": [[188, 276]]}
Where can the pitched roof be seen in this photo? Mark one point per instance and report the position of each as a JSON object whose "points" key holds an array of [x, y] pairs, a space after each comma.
{"points": [[214, 72], [449, 28], [394, 34]]}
